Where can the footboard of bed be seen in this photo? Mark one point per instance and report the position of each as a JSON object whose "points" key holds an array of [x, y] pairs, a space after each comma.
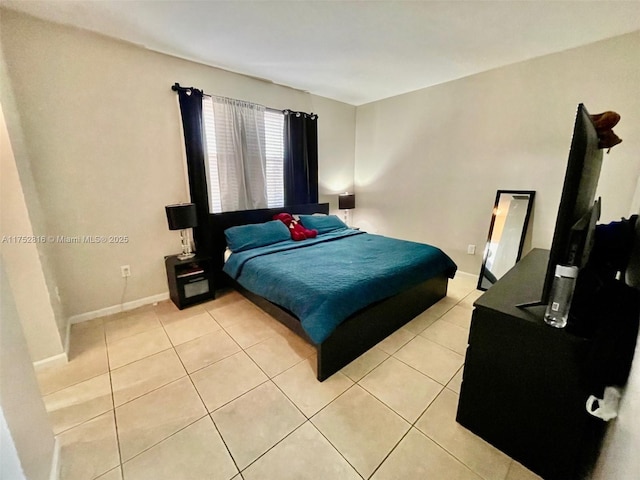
{"points": [[284, 316], [362, 330], [368, 327]]}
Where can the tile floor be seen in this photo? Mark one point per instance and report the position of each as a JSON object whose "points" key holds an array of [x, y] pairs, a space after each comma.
{"points": [[223, 391]]}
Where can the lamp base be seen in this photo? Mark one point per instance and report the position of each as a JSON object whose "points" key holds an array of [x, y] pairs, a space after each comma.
{"points": [[187, 252]]}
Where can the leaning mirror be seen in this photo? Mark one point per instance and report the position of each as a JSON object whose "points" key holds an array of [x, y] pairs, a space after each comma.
{"points": [[507, 231]]}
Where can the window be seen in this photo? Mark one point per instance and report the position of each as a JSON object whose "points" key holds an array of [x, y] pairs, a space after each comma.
{"points": [[273, 149], [274, 139]]}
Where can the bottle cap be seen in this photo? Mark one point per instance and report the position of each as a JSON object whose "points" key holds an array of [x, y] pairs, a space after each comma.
{"points": [[569, 272]]}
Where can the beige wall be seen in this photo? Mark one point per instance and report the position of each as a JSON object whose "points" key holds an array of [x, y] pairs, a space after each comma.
{"points": [[428, 163], [22, 260], [20, 402], [103, 134], [336, 149], [29, 265]]}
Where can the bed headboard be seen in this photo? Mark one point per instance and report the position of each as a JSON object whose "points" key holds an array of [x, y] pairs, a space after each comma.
{"points": [[219, 222]]}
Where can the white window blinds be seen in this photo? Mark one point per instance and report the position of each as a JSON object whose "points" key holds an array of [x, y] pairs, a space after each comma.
{"points": [[211, 165], [274, 134], [244, 146]]}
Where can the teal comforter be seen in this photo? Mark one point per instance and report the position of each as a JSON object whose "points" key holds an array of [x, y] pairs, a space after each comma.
{"points": [[325, 280]]}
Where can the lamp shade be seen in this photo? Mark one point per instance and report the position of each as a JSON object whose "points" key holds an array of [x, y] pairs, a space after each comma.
{"points": [[346, 201], [181, 215]]}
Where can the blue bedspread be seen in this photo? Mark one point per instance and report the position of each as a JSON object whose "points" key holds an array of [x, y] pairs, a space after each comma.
{"points": [[325, 280]]}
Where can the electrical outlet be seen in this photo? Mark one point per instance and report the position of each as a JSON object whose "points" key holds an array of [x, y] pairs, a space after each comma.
{"points": [[471, 249], [125, 270]]}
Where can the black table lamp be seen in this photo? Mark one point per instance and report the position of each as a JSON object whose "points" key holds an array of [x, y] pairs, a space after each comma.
{"points": [[181, 217], [346, 201]]}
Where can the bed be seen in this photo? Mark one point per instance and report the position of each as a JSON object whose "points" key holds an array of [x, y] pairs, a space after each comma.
{"points": [[338, 299]]}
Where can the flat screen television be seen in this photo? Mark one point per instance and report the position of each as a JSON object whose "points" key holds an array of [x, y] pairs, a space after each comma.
{"points": [[578, 210]]}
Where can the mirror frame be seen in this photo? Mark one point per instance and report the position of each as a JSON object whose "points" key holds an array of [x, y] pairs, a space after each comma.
{"points": [[532, 194]]}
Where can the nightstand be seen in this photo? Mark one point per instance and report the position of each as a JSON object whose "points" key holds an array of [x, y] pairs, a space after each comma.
{"points": [[190, 281]]}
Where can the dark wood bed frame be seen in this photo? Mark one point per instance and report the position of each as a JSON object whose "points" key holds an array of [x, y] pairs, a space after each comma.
{"points": [[359, 332]]}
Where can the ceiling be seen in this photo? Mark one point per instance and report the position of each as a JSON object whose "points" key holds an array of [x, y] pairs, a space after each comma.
{"points": [[352, 51]]}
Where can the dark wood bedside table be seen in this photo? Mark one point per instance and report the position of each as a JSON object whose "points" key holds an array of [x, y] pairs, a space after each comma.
{"points": [[190, 281]]}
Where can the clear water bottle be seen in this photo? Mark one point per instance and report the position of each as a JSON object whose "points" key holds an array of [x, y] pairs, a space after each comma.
{"points": [[564, 283]]}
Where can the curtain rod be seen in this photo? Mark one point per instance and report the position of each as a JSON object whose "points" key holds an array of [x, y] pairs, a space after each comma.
{"points": [[176, 87], [311, 115]]}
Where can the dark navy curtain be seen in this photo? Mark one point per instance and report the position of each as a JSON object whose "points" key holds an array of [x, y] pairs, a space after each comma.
{"points": [[300, 158], [191, 111]]}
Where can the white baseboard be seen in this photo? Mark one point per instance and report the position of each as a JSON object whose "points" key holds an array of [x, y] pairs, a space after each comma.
{"points": [[460, 272], [63, 358], [56, 360], [55, 461], [103, 312], [53, 361]]}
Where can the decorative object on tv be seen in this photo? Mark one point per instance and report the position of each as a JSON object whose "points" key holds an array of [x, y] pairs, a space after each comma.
{"points": [[604, 123], [182, 216], [346, 201]]}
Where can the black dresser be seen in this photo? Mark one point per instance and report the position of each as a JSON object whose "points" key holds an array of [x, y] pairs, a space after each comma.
{"points": [[524, 388]]}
